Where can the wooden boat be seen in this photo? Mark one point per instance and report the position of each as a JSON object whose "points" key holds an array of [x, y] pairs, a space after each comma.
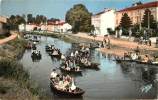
{"points": [[48, 49], [136, 61], [71, 70], [147, 63], [78, 92], [92, 66], [124, 60], [28, 46], [36, 56], [56, 56]]}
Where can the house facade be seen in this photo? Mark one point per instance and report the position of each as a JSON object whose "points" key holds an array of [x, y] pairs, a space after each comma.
{"points": [[136, 12], [103, 20], [58, 26]]}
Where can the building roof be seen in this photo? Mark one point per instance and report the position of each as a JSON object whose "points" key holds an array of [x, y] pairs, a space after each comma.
{"points": [[105, 10], [56, 23], [145, 5], [3, 19]]}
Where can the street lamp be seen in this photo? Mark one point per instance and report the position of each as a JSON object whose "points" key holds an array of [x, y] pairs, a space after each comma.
{"points": [[148, 20]]}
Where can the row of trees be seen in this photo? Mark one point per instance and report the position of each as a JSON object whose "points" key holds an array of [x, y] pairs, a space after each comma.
{"points": [[147, 23], [36, 20], [15, 20]]}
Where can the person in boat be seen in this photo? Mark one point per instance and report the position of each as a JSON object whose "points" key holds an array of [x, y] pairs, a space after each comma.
{"points": [[58, 51], [134, 56], [72, 54], [155, 60], [52, 47], [66, 63], [146, 58], [76, 53], [63, 57], [60, 85], [53, 74], [70, 63], [55, 52], [77, 68], [73, 86], [67, 68]]}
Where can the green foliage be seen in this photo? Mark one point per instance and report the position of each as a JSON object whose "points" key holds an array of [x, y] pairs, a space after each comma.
{"points": [[135, 30], [80, 18], [110, 31], [14, 70], [14, 21], [54, 19], [30, 18], [148, 19], [125, 22], [39, 19]]}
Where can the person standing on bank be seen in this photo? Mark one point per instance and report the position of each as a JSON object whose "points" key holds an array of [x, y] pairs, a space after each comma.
{"points": [[109, 42]]}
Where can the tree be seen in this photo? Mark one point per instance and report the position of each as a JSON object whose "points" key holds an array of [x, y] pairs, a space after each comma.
{"points": [[125, 21], [54, 19], [148, 20], [14, 21], [125, 24], [30, 18], [79, 17], [40, 19]]}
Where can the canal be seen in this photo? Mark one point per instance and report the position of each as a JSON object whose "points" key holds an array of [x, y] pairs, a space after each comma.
{"points": [[110, 82]]}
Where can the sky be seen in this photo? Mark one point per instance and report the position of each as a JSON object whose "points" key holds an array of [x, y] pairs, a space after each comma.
{"points": [[58, 8]]}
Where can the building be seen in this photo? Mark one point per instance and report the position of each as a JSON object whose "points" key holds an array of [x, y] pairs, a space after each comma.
{"points": [[103, 20], [3, 28], [136, 12], [57, 26], [27, 27]]}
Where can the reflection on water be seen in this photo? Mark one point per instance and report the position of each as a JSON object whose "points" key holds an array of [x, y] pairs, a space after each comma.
{"points": [[111, 81]]}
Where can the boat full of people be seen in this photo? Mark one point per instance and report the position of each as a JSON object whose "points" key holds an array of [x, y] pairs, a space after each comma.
{"points": [[64, 85]]}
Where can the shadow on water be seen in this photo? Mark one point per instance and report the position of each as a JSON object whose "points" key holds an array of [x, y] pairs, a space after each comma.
{"points": [[112, 81]]}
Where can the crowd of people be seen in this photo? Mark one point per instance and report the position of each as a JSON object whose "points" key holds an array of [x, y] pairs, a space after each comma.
{"points": [[135, 55], [61, 82]]}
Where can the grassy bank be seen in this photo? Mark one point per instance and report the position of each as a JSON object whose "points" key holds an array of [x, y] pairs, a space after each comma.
{"points": [[66, 37], [14, 72]]}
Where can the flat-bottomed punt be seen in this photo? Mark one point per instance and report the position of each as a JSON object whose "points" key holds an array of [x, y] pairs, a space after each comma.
{"points": [[77, 93], [73, 71]]}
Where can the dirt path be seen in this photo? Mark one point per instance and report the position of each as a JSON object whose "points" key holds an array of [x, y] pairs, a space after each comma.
{"points": [[121, 45], [5, 40]]}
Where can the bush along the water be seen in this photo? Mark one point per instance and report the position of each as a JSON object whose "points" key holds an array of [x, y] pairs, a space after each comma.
{"points": [[14, 70]]}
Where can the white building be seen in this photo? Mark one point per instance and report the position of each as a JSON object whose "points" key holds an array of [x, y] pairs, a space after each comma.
{"points": [[27, 27], [65, 27], [60, 27], [103, 20]]}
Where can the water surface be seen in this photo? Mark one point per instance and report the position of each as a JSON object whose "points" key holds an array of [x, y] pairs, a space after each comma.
{"points": [[111, 82]]}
